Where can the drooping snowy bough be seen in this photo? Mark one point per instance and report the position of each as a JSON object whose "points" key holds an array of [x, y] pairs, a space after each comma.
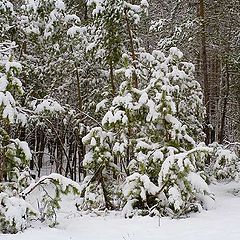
{"points": [[47, 193]]}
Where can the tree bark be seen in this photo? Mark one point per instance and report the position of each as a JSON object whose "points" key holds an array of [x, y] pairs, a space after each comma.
{"points": [[111, 76], [134, 76], [206, 86], [224, 109]]}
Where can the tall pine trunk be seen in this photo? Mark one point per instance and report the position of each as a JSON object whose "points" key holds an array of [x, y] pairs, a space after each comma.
{"points": [[206, 86]]}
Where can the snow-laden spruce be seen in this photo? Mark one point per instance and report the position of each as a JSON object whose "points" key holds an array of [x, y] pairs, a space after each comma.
{"points": [[224, 164], [113, 34], [15, 213], [152, 133], [15, 152]]}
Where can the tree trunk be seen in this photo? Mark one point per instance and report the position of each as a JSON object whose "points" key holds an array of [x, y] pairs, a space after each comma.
{"points": [[224, 109], [40, 146], [134, 76], [111, 76], [2, 164], [206, 86]]}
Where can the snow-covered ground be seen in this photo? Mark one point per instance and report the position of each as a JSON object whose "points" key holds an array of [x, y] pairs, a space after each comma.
{"points": [[221, 223]]}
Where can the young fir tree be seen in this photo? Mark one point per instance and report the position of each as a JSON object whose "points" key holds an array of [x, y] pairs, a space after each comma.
{"points": [[15, 153], [146, 134], [113, 31], [15, 213], [224, 163], [113, 27], [53, 58]]}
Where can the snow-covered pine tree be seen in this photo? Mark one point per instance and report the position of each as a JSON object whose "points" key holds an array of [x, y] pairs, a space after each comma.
{"points": [[113, 46], [155, 128], [15, 213], [15, 153], [53, 56], [42, 35], [114, 27], [146, 134], [224, 163]]}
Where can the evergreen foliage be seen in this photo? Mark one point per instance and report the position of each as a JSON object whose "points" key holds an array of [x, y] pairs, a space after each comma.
{"points": [[148, 133], [15, 213], [100, 93], [50, 190]]}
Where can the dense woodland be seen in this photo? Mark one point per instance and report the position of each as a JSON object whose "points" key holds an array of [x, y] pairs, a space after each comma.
{"points": [[132, 105]]}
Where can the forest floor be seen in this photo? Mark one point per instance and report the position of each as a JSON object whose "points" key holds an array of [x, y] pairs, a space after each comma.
{"points": [[220, 223]]}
